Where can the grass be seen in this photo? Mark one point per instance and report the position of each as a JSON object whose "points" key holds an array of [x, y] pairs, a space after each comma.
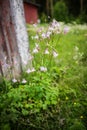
{"points": [[52, 93]]}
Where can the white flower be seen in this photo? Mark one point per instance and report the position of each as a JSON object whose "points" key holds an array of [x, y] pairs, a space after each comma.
{"points": [[43, 35], [55, 54], [66, 30], [35, 25], [46, 51], [14, 80], [35, 50], [24, 81], [51, 29], [42, 68], [37, 46], [33, 69], [25, 62], [55, 24], [30, 70], [48, 34]]}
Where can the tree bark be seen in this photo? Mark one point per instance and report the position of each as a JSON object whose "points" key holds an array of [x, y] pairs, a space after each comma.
{"points": [[81, 6], [14, 45]]}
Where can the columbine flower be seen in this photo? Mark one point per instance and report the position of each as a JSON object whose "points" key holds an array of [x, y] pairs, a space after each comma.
{"points": [[42, 68], [24, 81], [55, 24], [40, 29], [14, 80], [46, 51], [48, 34], [37, 46], [43, 35], [30, 70], [55, 54], [35, 25], [25, 62], [51, 29], [35, 50], [66, 30], [33, 69]]}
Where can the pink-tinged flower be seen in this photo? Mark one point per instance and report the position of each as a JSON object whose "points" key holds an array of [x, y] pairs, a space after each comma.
{"points": [[5, 65], [35, 25], [48, 34], [66, 30], [55, 24], [30, 70], [14, 80], [35, 50], [55, 54], [43, 35], [51, 29], [25, 62], [46, 51], [24, 81], [43, 69], [40, 29]]}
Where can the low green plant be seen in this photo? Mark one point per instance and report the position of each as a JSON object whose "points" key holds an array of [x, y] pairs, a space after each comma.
{"points": [[51, 95]]}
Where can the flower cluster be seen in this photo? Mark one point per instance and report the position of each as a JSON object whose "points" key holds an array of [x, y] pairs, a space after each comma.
{"points": [[43, 50]]}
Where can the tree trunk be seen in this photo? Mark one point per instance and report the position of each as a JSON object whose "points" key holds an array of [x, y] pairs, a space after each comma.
{"points": [[49, 8], [81, 6], [14, 46]]}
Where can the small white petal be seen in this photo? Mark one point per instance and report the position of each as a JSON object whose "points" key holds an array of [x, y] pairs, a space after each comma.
{"points": [[66, 30], [35, 50], [55, 54], [14, 80], [30, 70], [24, 81], [43, 69], [46, 51]]}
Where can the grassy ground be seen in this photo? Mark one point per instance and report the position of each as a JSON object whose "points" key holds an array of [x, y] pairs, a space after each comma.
{"points": [[52, 94]]}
